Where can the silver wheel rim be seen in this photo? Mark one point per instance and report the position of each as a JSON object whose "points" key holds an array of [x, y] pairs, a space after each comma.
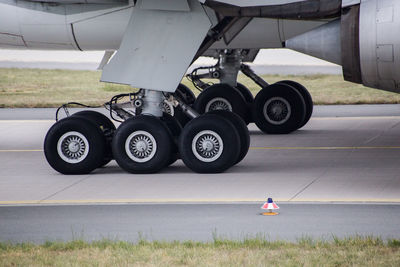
{"points": [[73, 147], [168, 107], [140, 146], [218, 103], [277, 110], [207, 146]]}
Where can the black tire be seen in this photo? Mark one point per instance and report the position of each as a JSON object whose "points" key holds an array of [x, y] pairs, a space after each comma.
{"points": [[69, 129], [181, 116], [156, 134], [185, 94], [223, 94], [307, 99], [105, 125], [219, 128], [241, 128], [175, 129], [289, 105], [248, 96]]}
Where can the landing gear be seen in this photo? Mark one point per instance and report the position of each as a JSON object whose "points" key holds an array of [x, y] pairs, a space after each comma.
{"points": [[175, 129], [279, 109], [159, 127], [241, 128], [307, 99], [248, 96], [105, 125], [148, 139], [187, 96], [75, 145], [273, 111], [209, 144], [222, 97], [142, 144]]}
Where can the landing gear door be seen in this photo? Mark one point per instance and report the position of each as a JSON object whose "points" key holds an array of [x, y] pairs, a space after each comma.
{"points": [[158, 47]]}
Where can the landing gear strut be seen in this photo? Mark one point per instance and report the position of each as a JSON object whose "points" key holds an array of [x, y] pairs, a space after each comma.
{"points": [[279, 108]]}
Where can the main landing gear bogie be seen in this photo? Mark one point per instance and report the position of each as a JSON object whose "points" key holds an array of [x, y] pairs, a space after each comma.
{"points": [[280, 108], [145, 143]]}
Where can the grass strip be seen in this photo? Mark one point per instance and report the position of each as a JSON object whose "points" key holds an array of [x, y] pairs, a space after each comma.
{"points": [[51, 88], [355, 251]]}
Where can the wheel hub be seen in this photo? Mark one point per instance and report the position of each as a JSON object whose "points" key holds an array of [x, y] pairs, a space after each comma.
{"points": [[207, 146], [73, 147], [277, 110], [218, 103], [140, 146]]}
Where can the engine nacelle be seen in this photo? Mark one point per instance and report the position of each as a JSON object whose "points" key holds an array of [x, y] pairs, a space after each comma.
{"points": [[365, 41], [380, 44]]}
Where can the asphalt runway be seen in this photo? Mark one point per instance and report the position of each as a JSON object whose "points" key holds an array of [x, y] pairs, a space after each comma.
{"points": [[345, 154], [199, 222]]}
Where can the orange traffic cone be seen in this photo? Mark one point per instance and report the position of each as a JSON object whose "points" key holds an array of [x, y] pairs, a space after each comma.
{"points": [[270, 206]]}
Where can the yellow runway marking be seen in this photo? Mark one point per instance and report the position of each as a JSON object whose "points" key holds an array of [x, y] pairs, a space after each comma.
{"points": [[187, 201]]}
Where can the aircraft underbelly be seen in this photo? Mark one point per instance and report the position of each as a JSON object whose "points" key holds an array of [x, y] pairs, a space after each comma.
{"points": [[33, 25], [268, 33]]}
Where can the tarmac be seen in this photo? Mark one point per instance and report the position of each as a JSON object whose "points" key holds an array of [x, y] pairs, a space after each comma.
{"points": [[338, 175], [197, 222]]}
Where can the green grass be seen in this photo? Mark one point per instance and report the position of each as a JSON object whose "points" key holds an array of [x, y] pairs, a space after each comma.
{"points": [[358, 251], [51, 88]]}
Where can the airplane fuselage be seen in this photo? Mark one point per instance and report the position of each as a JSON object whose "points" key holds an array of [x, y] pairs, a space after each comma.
{"points": [[32, 25]]}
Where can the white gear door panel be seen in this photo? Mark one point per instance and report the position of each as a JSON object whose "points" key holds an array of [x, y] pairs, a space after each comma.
{"points": [[158, 47]]}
